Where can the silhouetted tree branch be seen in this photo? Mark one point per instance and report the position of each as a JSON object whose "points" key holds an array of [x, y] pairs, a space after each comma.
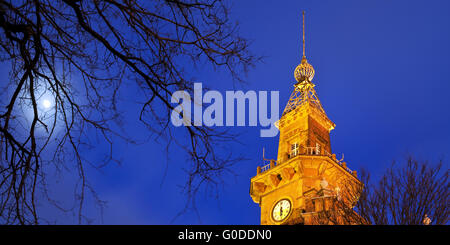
{"points": [[406, 193], [81, 54]]}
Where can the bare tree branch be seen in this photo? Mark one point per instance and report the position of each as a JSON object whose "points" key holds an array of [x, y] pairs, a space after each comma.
{"points": [[78, 54]]}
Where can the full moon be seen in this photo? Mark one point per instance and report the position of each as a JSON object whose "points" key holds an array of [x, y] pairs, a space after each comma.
{"points": [[46, 103]]}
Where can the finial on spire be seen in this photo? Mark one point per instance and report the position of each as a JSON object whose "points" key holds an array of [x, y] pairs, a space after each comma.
{"points": [[303, 13], [304, 71]]}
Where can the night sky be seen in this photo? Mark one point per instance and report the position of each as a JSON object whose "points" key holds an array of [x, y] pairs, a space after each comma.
{"points": [[382, 75]]}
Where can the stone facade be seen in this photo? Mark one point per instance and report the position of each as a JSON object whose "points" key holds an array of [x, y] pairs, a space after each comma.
{"points": [[305, 172]]}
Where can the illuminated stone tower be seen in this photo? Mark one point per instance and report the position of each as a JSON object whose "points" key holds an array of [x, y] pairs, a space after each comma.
{"points": [[306, 184]]}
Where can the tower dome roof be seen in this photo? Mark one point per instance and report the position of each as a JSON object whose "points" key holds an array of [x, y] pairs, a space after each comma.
{"points": [[304, 71]]}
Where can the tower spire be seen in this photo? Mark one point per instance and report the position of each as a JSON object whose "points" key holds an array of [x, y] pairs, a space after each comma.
{"points": [[304, 71], [303, 14]]}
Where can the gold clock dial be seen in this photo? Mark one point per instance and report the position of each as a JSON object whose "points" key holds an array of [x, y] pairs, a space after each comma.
{"points": [[281, 210]]}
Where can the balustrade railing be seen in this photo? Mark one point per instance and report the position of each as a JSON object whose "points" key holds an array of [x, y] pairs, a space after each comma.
{"points": [[307, 151], [265, 168]]}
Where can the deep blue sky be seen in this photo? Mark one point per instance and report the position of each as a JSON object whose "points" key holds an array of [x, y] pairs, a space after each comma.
{"points": [[382, 75]]}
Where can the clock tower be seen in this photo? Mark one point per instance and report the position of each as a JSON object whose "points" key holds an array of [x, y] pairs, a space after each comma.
{"points": [[306, 184]]}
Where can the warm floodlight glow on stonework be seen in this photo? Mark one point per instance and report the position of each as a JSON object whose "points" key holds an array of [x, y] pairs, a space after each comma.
{"points": [[46, 103], [303, 182]]}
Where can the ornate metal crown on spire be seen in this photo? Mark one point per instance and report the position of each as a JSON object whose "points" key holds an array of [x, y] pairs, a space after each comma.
{"points": [[304, 71], [304, 89], [303, 93]]}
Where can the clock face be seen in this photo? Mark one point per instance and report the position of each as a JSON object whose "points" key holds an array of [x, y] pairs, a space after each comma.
{"points": [[281, 210]]}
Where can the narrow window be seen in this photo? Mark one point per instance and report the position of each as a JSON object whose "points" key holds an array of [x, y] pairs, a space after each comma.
{"points": [[294, 149]]}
